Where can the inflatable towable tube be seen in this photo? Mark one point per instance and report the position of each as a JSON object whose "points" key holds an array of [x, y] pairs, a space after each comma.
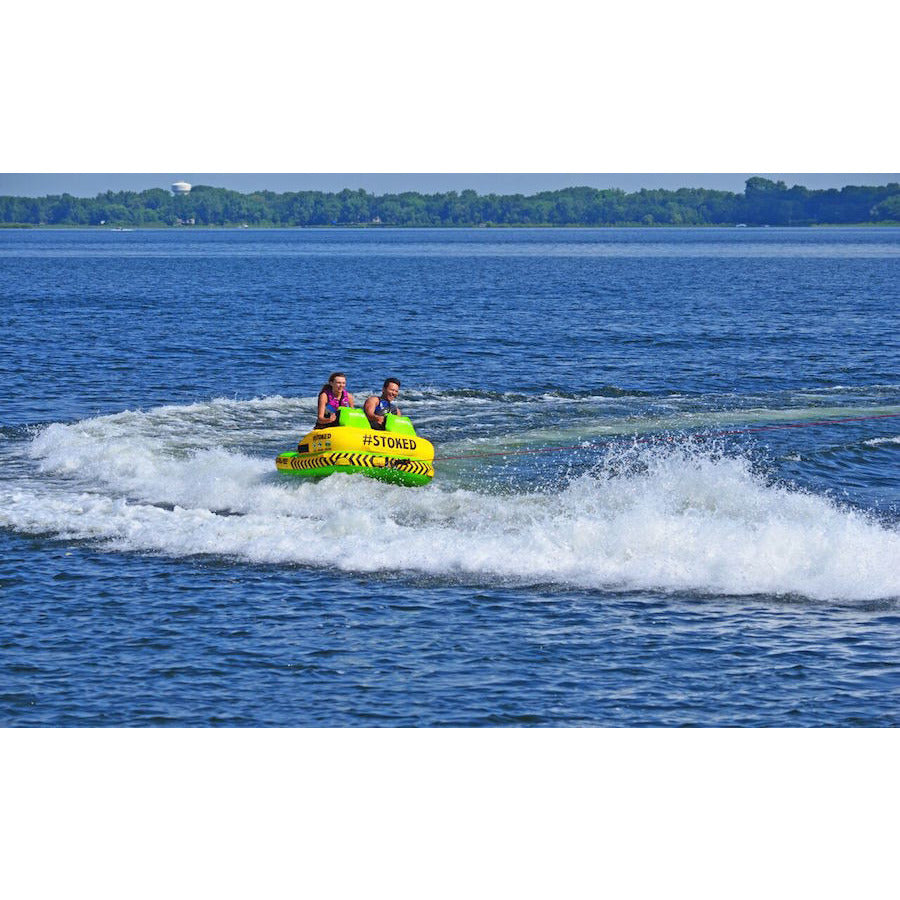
{"points": [[397, 454]]}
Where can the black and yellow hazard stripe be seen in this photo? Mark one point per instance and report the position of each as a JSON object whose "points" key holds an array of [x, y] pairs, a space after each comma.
{"points": [[353, 462], [303, 462]]}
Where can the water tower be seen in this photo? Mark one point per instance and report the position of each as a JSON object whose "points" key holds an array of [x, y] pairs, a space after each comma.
{"points": [[181, 187]]}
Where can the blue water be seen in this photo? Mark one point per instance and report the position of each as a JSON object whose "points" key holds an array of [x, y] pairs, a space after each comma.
{"points": [[687, 559]]}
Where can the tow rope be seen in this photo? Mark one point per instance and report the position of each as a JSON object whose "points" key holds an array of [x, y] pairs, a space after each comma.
{"points": [[647, 440]]}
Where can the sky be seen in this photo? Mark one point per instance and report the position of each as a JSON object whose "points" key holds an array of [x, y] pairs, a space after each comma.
{"points": [[91, 184]]}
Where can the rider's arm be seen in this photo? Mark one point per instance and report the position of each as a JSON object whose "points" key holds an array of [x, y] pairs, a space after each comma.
{"points": [[321, 418], [369, 410]]}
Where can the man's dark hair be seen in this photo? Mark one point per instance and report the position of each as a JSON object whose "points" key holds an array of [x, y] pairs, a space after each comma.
{"points": [[388, 381]]}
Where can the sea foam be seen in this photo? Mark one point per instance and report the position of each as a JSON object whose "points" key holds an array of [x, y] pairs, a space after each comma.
{"points": [[667, 517]]}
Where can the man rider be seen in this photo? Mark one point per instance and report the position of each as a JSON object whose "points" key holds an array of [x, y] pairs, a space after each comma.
{"points": [[376, 408]]}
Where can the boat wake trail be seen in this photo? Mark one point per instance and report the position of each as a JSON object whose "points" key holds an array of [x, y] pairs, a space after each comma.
{"points": [[663, 517]]}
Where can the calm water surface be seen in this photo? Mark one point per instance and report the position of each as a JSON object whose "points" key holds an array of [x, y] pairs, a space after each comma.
{"points": [[676, 565]]}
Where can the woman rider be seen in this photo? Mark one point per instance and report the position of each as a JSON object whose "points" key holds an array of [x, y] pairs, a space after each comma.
{"points": [[332, 397]]}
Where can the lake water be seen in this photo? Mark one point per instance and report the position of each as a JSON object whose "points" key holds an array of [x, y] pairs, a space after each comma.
{"points": [[702, 551]]}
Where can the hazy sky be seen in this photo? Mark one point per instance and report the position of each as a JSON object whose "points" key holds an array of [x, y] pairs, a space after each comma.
{"points": [[89, 185]]}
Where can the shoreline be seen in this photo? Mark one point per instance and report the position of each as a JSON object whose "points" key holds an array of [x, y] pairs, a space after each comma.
{"points": [[118, 229]]}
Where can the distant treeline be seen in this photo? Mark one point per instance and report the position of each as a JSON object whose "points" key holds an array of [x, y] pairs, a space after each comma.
{"points": [[763, 202]]}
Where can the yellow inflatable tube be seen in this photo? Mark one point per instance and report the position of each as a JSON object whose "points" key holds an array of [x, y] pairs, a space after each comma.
{"points": [[397, 454]]}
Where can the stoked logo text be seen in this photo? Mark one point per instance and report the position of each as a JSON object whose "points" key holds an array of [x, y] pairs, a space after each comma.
{"points": [[387, 442]]}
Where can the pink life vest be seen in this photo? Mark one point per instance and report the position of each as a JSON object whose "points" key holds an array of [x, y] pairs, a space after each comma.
{"points": [[333, 402]]}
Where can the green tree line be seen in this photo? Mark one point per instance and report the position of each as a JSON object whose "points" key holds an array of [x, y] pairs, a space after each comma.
{"points": [[763, 202]]}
